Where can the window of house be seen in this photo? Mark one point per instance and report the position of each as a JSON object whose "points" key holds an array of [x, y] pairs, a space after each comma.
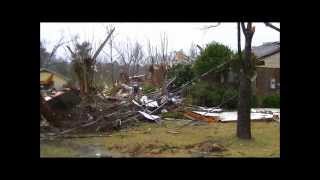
{"points": [[273, 83]]}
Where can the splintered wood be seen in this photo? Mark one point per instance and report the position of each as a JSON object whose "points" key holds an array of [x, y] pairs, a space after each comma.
{"points": [[198, 117]]}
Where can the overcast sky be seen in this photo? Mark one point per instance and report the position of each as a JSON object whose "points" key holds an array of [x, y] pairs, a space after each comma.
{"points": [[180, 35]]}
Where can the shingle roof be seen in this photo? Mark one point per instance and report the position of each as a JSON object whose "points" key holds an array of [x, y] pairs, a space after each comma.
{"points": [[266, 49]]}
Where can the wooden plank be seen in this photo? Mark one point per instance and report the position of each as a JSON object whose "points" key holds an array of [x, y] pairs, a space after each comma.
{"points": [[198, 117]]}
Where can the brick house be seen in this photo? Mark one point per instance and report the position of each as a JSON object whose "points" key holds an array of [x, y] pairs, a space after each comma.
{"points": [[267, 81]]}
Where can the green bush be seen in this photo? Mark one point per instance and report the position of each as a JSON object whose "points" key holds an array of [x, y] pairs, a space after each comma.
{"points": [[204, 94], [231, 98], [212, 56], [254, 101], [183, 74], [272, 101]]}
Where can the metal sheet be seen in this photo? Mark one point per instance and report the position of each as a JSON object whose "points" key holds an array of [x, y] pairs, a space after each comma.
{"points": [[150, 117]]}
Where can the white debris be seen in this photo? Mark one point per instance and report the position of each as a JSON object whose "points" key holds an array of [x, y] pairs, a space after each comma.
{"points": [[47, 98], [266, 110], [176, 100], [150, 117], [233, 116], [212, 109], [208, 113], [148, 102]]}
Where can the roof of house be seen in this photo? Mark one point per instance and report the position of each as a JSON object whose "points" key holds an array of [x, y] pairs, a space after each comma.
{"points": [[53, 72], [266, 49]]}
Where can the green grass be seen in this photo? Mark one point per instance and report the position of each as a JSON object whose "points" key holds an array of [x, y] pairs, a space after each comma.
{"points": [[57, 151], [152, 140]]}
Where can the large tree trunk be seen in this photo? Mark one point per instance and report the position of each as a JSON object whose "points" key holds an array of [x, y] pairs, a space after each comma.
{"points": [[245, 91], [243, 125]]}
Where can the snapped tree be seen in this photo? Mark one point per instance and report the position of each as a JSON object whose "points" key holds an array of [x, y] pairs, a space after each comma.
{"points": [[84, 64]]}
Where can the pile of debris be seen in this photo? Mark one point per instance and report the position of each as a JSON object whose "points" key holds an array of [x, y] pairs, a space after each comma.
{"points": [[124, 105], [105, 113]]}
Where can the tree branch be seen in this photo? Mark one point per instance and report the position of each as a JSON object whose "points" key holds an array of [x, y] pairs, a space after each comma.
{"points": [[200, 48], [71, 51], [272, 26], [239, 40], [102, 45], [243, 28], [55, 49]]}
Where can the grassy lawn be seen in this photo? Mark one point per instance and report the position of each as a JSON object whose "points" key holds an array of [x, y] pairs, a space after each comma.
{"points": [[152, 140]]}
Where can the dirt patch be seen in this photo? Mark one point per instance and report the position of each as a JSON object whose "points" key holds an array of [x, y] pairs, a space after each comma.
{"points": [[211, 147], [140, 149], [207, 146]]}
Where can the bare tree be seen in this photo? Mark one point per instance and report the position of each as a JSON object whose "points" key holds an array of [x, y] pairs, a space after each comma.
{"points": [[137, 56], [47, 61], [151, 54], [131, 56], [164, 48], [247, 71], [124, 52], [245, 91]]}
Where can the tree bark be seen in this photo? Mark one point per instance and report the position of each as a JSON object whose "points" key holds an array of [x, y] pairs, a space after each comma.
{"points": [[245, 91]]}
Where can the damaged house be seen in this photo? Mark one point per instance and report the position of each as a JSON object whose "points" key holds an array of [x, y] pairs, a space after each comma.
{"points": [[268, 68], [267, 80]]}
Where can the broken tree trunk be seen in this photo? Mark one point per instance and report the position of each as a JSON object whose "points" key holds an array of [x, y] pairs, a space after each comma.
{"points": [[84, 66]]}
